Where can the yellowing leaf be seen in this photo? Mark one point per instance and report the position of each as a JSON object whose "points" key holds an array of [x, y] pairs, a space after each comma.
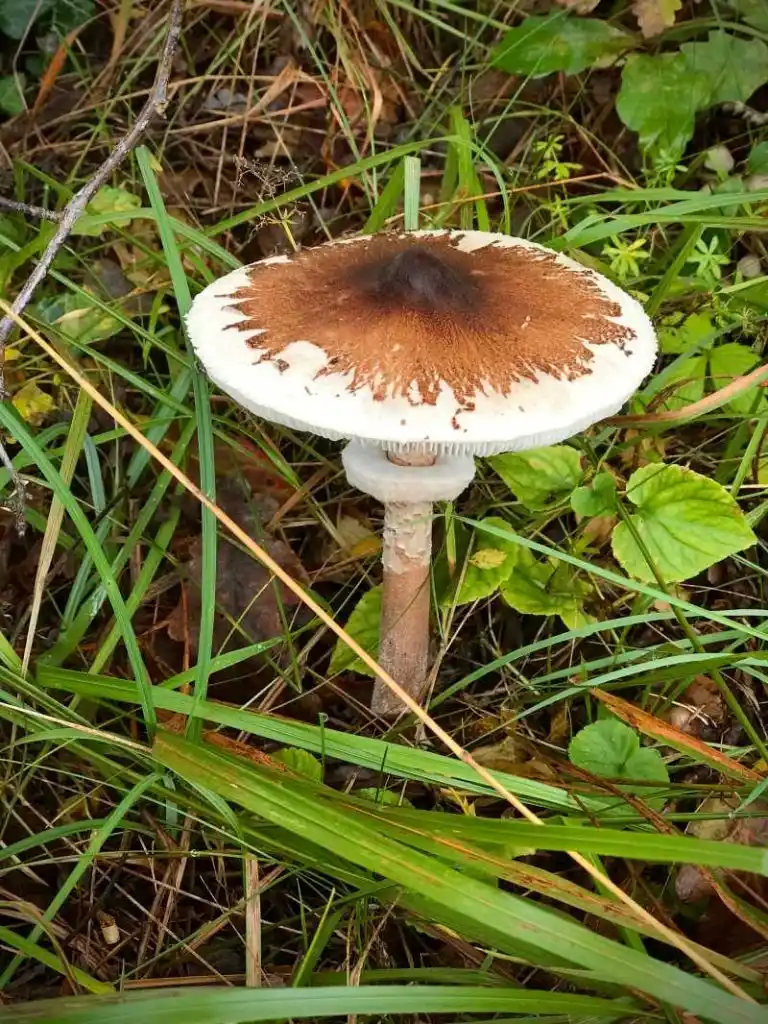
{"points": [[488, 566], [488, 558], [33, 404], [653, 16]]}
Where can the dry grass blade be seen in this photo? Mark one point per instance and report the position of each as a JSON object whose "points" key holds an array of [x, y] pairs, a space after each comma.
{"points": [[672, 937], [738, 386]]}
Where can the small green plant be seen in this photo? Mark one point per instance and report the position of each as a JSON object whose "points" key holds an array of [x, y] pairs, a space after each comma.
{"points": [[626, 256], [709, 261], [661, 93], [550, 165], [610, 749]]}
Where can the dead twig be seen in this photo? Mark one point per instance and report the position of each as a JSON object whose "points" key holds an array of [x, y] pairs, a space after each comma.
{"points": [[28, 209], [76, 207]]}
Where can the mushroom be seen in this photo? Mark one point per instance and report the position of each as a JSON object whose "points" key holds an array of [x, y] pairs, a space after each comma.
{"points": [[423, 350]]}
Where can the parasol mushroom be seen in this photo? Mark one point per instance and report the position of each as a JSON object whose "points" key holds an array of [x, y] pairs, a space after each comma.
{"points": [[423, 349]]}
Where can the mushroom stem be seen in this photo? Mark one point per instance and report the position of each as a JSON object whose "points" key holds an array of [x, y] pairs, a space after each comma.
{"points": [[404, 628]]}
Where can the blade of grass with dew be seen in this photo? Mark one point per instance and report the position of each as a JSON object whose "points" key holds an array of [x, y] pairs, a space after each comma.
{"points": [[237, 1006], [14, 425], [78, 871], [485, 909], [208, 560]]}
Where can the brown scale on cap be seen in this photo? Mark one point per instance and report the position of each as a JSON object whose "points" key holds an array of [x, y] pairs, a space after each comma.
{"points": [[403, 315]]}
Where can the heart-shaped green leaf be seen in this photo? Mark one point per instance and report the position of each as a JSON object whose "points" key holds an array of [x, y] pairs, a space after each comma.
{"points": [[541, 475], [685, 521]]}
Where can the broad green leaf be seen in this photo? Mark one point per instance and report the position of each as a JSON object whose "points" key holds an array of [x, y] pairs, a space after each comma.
{"points": [[658, 99], [757, 161], [686, 521], [11, 94], [598, 499], [735, 67], [610, 749], [69, 14], [755, 12], [107, 200], [546, 588], [16, 16], [541, 475], [363, 626], [541, 45], [683, 384], [301, 762], [733, 360], [491, 562], [77, 320], [695, 331]]}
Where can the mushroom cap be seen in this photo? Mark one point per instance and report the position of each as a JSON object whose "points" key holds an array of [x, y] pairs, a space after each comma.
{"points": [[445, 341]]}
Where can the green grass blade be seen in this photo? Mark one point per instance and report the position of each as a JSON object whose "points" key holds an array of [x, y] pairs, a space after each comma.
{"points": [[18, 429], [204, 441], [233, 1005], [378, 755], [113, 820], [485, 910]]}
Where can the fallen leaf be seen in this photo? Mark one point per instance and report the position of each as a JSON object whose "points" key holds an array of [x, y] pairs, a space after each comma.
{"points": [[352, 540], [598, 530], [506, 756], [252, 604], [32, 403], [698, 709], [692, 882], [653, 16]]}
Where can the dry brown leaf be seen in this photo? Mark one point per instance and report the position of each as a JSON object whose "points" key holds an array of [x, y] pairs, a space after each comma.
{"points": [[692, 882], [599, 529], [506, 756], [699, 708], [251, 602], [653, 16]]}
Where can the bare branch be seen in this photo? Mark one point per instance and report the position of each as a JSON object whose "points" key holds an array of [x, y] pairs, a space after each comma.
{"points": [[77, 205], [28, 210]]}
